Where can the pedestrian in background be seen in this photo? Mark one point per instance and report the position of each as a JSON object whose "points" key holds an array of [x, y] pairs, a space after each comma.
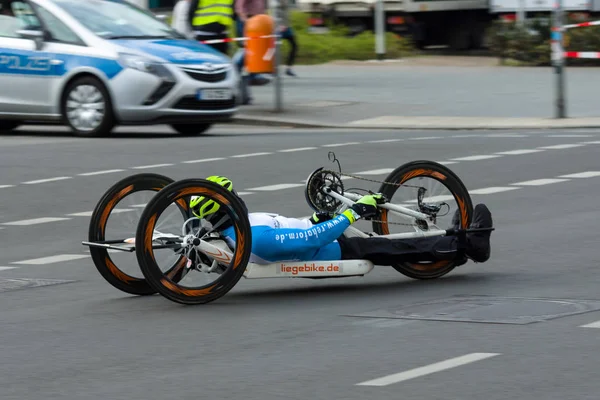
{"points": [[286, 32], [180, 22], [211, 20], [246, 9]]}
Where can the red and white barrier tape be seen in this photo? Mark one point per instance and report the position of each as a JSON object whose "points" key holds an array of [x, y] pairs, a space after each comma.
{"points": [[240, 39], [581, 54], [591, 23]]}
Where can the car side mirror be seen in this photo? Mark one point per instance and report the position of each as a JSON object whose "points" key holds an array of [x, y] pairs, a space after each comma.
{"points": [[32, 34]]}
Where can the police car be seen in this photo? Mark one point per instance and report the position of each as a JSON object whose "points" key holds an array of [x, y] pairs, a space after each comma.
{"points": [[96, 64]]}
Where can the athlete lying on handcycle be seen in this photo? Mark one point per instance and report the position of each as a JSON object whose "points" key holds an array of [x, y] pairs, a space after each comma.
{"points": [[278, 238]]}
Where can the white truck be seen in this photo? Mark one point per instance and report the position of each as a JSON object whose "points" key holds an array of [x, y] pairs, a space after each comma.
{"points": [[458, 24]]}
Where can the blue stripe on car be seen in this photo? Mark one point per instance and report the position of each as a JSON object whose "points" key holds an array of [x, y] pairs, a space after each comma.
{"points": [[38, 63]]}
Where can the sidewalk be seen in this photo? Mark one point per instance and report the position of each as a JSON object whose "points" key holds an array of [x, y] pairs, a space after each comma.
{"points": [[427, 93]]}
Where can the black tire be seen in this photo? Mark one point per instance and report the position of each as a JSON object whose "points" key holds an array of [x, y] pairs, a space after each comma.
{"points": [[191, 129], [108, 121], [228, 279], [8, 126], [101, 257], [452, 182]]}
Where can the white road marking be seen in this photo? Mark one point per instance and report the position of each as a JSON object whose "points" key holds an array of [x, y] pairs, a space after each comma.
{"points": [[52, 259], [493, 189], [6, 186], [465, 136], [587, 174], [89, 213], [203, 160], [153, 166], [138, 205], [592, 325], [297, 149], [506, 135], [375, 172], [7, 268], [340, 144], [425, 138], [385, 141], [244, 193], [592, 142], [34, 221], [539, 182], [250, 155], [519, 152], [277, 187], [568, 136], [428, 369], [107, 171], [434, 198], [561, 146], [447, 162], [58, 178], [475, 158]]}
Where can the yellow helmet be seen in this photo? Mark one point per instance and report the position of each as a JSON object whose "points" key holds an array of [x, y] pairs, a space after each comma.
{"points": [[203, 207]]}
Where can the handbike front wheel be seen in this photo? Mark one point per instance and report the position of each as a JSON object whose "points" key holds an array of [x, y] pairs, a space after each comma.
{"points": [[128, 195], [180, 291], [426, 174]]}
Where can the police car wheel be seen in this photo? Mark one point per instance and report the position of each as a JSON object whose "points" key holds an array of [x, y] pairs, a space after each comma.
{"points": [[87, 109], [191, 129], [7, 126]]}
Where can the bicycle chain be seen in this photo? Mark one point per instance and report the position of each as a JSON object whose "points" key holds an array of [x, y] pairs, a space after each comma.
{"points": [[375, 181]]}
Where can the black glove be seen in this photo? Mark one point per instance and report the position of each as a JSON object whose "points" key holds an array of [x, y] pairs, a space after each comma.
{"points": [[319, 217], [366, 207]]}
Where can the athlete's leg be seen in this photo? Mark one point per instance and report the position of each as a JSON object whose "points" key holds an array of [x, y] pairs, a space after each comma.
{"points": [[383, 251]]}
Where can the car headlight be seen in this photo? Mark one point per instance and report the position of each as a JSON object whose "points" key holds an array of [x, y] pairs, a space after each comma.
{"points": [[143, 64]]}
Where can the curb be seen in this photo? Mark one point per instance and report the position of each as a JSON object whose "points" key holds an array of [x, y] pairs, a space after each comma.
{"points": [[430, 123]]}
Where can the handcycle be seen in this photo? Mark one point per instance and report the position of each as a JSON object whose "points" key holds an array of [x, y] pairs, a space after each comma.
{"points": [[195, 245]]}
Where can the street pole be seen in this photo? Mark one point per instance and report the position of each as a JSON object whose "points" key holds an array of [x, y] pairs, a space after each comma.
{"points": [[521, 13], [558, 58], [379, 30], [278, 88]]}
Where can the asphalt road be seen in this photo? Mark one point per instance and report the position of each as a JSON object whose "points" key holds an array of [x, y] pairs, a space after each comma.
{"points": [[299, 339]]}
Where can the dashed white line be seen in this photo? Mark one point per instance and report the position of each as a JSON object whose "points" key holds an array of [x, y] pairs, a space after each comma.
{"points": [[539, 182], [203, 160], [244, 193], [425, 138], [35, 221], [153, 166], [587, 174], [568, 136], [89, 213], [447, 162], [506, 135], [428, 369], [58, 178], [562, 146], [277, 187], [138, 205], [340, 144], [465, 136], [297, 149], [107, 171], [591, 325], [592, 142], [375, 171], [493, 189], [6, 186], [250, 155], [519, 152], [7, 268], [52, 259], [385, 141], [475, 158]]}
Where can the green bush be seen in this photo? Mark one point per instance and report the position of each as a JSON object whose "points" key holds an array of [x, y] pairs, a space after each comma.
{"points": [[337, 44], [530, 45]]}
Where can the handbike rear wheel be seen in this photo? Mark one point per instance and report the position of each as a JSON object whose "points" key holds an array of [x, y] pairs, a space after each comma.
{"points": [[438, 172], [181, 192], [105, 265]]}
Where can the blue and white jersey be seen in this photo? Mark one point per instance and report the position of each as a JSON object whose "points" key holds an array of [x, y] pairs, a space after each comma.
{"points": [[278, 238]]}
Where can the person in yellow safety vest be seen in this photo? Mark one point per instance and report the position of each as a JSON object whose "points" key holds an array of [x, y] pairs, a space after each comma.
{"points": [[210, 20]]}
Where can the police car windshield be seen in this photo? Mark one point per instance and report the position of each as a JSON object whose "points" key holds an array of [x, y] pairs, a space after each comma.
{"points": [[117, 19]]}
